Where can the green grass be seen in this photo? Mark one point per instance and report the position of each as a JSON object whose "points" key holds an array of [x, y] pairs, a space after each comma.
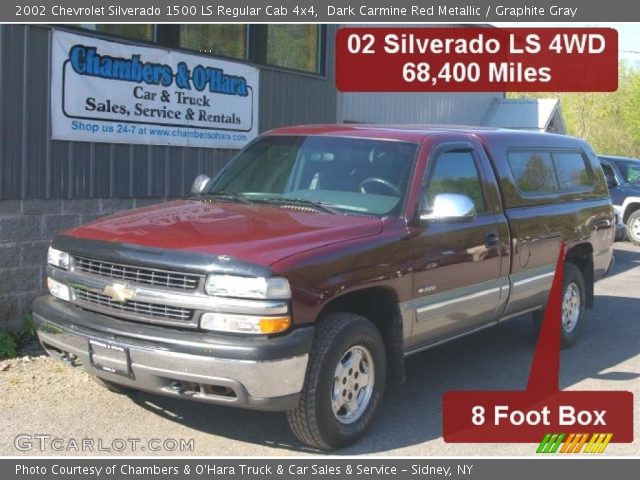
{"points": [[8, 345], [9, 341]]}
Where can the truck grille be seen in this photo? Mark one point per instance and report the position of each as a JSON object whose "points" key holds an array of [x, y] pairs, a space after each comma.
{"points": [[145, 276], [160, 312]]}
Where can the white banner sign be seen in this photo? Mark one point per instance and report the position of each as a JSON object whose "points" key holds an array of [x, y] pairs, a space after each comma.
{"points": [[113, 92]]}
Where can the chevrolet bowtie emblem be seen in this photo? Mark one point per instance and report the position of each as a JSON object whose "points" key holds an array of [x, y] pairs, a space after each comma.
{"points": [[119, 292]]}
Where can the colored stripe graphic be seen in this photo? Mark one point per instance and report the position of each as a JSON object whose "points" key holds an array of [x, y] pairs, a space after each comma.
{"points": [[578, 447], [574, 443], [570, 443]]}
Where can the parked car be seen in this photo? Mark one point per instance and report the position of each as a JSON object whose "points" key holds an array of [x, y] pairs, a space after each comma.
{"points": [[623, 179], [302, 275]]}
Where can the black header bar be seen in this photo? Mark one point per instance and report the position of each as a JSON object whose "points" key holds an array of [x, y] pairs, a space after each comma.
{"points": [[313, 11]]}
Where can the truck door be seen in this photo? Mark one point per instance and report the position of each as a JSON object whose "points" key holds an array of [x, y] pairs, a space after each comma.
{"points": [[614, 181], [460, 275]]}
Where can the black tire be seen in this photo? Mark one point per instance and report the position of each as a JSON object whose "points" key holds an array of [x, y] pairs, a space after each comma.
{"points": [[569, 332], [112, 387], [313, 421], [633, 227]]}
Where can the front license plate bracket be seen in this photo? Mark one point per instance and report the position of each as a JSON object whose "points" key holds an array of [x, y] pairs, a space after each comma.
{"points": [[109, 357]]}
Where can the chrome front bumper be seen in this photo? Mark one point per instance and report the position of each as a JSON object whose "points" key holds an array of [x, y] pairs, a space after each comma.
{"points": [[261, 374]]}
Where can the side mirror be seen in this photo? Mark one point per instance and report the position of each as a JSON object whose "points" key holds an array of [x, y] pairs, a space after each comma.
{"points": [[449, 207], [611, 180], [199, 184]]}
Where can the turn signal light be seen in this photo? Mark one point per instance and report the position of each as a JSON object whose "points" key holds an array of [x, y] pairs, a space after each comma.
{"points": [[274, 324]]}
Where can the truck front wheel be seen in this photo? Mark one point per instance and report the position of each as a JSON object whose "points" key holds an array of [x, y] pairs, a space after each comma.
{"points": [[633, 227], [573, 304], [344, 383]]}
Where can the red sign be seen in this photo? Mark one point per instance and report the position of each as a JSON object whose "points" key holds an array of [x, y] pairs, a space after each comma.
{"points": [[526, 416], [477, 59]]}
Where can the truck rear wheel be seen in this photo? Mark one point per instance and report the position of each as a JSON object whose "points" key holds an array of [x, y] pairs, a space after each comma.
{"points": [[344, 383], [633, 227], [573, 305]]}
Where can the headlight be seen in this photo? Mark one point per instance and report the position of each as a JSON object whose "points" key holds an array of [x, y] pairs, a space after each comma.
{"points": [[226, 322], [59, 290], [248, 287], [58, 258]]}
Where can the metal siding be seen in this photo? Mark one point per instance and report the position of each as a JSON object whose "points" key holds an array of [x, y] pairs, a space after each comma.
{"points": [[34, 166], [34, 126], [287, 98], [81, 170], [173, 156], [13, 52], [447, 108], [411, 108], [102, 170], [2, 109]]}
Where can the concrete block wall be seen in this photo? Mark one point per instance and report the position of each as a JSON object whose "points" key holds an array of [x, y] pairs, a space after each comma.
{"points": [[26, 229]]}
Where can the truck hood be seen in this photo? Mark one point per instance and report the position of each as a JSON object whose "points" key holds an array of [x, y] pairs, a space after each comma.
{"points": [[258, 234]]}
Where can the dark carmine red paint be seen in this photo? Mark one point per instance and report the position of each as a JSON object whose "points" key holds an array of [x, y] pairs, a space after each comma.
{"points": [[326, 256], [258, 234]]}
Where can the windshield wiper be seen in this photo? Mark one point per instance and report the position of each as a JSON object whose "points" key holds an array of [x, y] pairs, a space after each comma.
{"points": [[322, 206], [230, 195]]}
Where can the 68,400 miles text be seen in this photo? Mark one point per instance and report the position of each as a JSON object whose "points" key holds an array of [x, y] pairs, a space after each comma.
{"points": [[461, 72]]}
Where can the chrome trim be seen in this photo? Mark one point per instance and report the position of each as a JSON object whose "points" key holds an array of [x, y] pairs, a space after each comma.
{"points": [[458, 299], [427, 303], [408, 314], [533, 279], [191, 321], [172, 298], [505, 288], [529, 289]]}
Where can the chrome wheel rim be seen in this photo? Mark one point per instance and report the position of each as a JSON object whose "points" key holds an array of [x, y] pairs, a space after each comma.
{"points": [[635, 228], [570, 308], [353, 382]]}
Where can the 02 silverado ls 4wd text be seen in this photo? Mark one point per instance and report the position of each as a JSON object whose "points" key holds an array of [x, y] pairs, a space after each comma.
{"points": [[300, 277]]}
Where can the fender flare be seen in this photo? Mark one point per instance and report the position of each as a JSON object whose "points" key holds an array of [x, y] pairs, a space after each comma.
{"points": [[625, 204]]}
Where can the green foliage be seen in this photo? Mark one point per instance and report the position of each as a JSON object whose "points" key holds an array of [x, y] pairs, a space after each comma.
{"points": [[293, 46], [7, 345], [610, 122], [228, 40], [28, 327], [141, 31], [9, 341], [464, 186], [537, 175]]}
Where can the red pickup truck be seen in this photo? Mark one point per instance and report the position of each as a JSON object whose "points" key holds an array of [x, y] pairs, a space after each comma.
{"points": [[301, 276]]}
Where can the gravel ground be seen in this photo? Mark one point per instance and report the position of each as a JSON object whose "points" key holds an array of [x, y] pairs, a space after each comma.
{"points": [[41, 396]]}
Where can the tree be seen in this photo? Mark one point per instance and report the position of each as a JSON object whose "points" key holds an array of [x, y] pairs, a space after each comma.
{"points": [[610, 122]]}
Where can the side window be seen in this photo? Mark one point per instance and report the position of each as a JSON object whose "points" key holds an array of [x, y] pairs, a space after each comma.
{"points": [[572, 171], [608, 171], [630, 171], [633, 174], [533, 171], [456, 172]]}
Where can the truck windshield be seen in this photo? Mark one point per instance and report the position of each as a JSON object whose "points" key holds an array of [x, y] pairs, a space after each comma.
{"points": [[332, 174]]}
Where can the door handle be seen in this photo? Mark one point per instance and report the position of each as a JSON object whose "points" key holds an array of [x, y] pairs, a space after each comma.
{"points": [[491, 239], [602, 224]]}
